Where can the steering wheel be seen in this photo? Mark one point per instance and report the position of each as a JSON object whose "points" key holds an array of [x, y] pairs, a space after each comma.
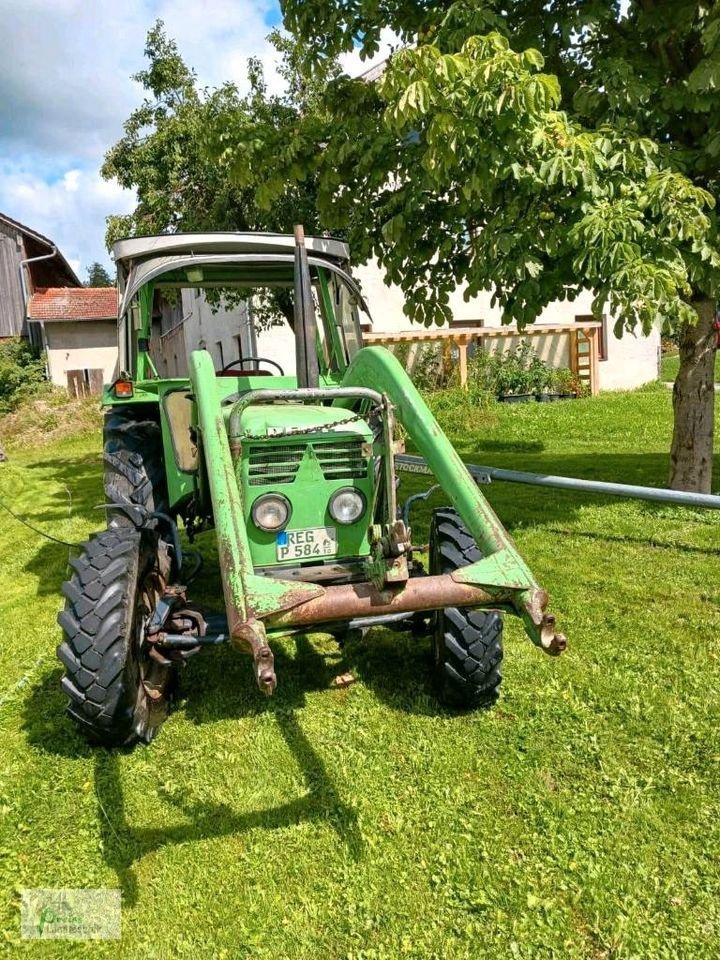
{"points": [[227, 370]]}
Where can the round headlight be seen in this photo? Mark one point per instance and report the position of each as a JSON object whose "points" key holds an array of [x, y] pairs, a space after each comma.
{"points": [[271, 512], [346, 505]]}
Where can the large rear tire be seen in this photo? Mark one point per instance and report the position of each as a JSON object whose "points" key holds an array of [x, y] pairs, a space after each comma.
{"points": [[134, 466], [467, 644], [118, 695]]}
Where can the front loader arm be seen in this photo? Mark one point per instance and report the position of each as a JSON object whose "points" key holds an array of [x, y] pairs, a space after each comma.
{"points": [[502, 570], [247, 596]]}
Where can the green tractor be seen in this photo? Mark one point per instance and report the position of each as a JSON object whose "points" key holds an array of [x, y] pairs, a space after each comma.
{"points": [[296, 474]]}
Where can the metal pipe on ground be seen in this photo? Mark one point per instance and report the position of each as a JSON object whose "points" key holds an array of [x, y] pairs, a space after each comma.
{"points": [[482, 474]]}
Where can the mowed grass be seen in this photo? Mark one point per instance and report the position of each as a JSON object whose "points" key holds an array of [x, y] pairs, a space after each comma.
{"points": [[670, 364], [578, 818]]}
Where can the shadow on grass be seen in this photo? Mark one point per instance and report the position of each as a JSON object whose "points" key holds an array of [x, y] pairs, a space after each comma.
{"points": [[49, 730]]}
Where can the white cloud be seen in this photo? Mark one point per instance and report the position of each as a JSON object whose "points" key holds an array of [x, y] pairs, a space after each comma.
{"points": [[71, 180], [65, 76], [66, 64], [73, 218]]}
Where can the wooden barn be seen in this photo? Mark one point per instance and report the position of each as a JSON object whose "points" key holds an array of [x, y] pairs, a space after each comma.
{"points": [[28, 262]]}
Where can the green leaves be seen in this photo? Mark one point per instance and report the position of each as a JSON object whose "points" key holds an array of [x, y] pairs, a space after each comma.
{"points": [[414, 102], [465, 163]]}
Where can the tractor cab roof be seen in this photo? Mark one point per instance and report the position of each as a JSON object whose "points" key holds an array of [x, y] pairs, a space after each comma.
{"points": [[220, 259], [126, 253]]}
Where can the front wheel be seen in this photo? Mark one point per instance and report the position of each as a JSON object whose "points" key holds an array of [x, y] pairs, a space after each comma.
{"points": [[467, 644], [118, 695]]}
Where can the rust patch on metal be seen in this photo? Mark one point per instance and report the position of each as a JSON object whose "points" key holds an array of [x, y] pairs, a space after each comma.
{"points": [[353, 600], [251, 636]]}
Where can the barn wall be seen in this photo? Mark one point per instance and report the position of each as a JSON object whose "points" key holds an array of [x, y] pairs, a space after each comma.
{"points": [[81, 345], [12, 310]]}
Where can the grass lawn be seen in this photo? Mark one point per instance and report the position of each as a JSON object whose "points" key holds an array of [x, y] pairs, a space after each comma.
{"points": [[579, 818], [670, 364]]}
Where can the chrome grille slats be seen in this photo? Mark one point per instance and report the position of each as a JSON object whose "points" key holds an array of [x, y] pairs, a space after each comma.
{"points": [[338, 460], [277, 464]]}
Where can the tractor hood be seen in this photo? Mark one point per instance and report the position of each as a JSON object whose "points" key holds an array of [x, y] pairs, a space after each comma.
{"points": [[294, 419]]}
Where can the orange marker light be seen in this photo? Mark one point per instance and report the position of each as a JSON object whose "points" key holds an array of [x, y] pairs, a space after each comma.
{"points": [[123, 388]]}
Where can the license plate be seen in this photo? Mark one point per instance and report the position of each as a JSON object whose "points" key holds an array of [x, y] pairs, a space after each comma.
{"points": [[307, 544]]}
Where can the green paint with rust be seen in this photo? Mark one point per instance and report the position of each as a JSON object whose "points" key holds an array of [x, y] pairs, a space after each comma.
{"points": [[246, 595], [306, 469], [502, 566]]}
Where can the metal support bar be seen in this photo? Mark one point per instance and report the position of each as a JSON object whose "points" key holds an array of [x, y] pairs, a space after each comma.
{"points": [[306, 356], [355, 601], [678, 498], [502, 567], [178, 641], [267, 395]]}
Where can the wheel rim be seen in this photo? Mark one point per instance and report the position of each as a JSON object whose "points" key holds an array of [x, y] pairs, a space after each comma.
{"points": [[154, 672]]}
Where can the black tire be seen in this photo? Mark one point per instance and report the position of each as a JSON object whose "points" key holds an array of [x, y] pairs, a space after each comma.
{"points": [[117, 695], [467, 644], [134, 465]]}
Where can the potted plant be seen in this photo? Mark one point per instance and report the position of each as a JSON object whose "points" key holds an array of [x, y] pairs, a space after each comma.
{"points": [[513, 380], [540, 379], [563, 384]]}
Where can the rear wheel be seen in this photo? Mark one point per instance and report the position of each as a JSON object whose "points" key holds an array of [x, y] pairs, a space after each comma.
{"points": [[134, 466], [467, 644], [118, 694]]}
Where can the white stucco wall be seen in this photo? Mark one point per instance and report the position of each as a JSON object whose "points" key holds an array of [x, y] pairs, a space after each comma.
{"points": [[81, 345], [278, 344], [632, 360]]}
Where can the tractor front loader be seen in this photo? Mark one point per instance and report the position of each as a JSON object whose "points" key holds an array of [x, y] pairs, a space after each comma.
{"points": [[295, 473]]}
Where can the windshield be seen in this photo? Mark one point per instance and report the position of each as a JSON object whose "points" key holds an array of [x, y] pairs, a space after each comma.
{"points": [[239, 312]]}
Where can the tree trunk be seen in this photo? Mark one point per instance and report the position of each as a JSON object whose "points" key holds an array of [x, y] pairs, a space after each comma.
{"points": [[694, 404]]}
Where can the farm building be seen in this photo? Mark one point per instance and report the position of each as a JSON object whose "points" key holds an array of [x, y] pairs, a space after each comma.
{"points": [[78, 331], [28, 262], [565, 335]]}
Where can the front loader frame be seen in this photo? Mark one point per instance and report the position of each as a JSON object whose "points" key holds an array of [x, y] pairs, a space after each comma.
{"points": [[257, 604], [366, 384]]}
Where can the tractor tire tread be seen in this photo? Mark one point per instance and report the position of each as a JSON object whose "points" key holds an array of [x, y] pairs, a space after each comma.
{"points": [[469, 648], [95, 650]]}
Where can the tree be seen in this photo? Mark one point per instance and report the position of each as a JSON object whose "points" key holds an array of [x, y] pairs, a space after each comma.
{"points": [[97, 276], [164, 153], [468, 163]]}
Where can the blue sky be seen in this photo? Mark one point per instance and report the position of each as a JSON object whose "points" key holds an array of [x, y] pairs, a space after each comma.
{"points": [[65, 91]]}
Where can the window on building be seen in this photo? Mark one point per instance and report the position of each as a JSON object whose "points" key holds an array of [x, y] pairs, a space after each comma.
{"points": [[221, 358]]}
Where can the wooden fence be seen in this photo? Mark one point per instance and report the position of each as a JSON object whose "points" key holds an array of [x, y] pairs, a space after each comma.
{"points": [[583, 343]]}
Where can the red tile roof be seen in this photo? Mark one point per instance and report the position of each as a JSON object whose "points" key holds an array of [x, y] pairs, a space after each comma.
{"points": [[74, 303]]}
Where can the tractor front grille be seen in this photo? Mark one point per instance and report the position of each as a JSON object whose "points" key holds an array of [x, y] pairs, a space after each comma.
{"points": [[338, 460], [342, 460], [271, 465]]}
